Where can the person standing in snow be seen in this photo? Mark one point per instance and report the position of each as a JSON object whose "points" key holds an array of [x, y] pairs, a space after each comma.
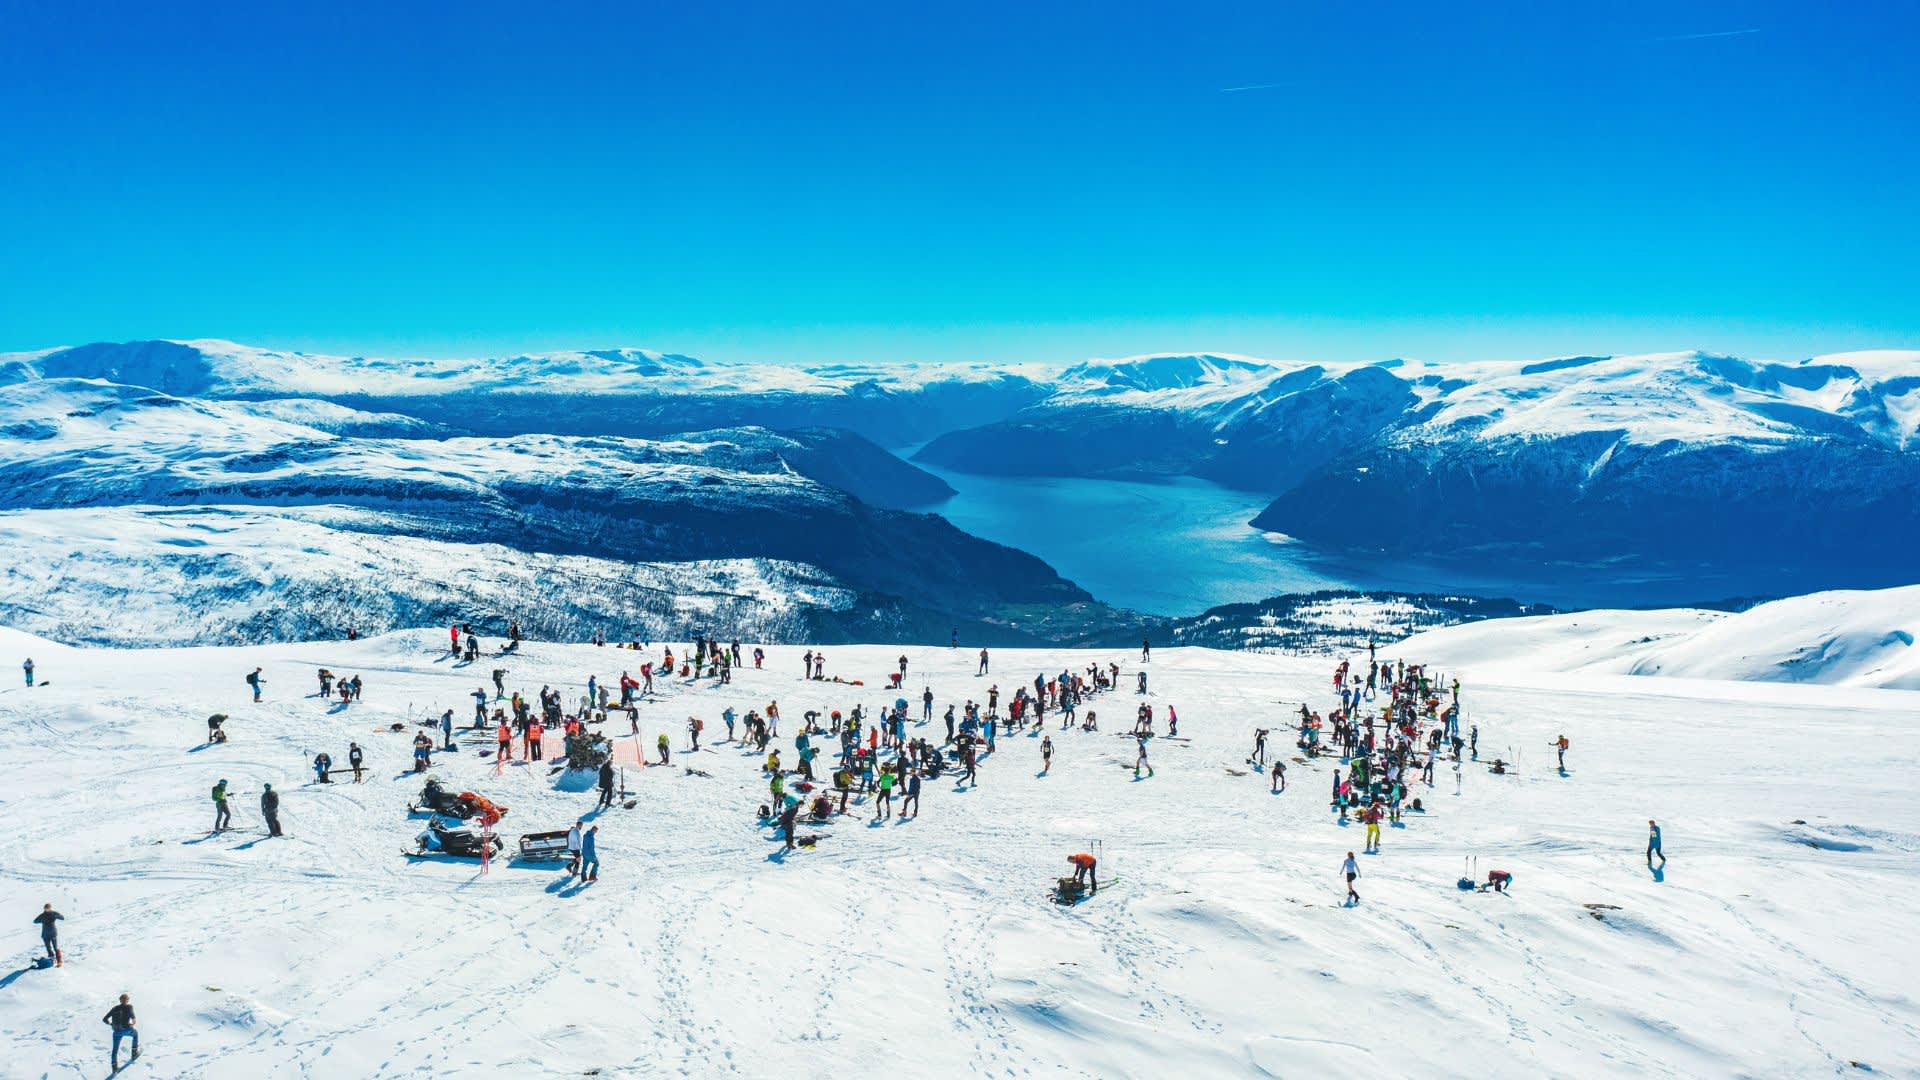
{"points": [[983, 663], [883, 805], [1653, 844], [1561, 745], [661, 745], [1046, 755], [222, 814], [1146, 650], [356, 759], [50, 936], [589, 855], [1086, 871], [1140, 762], [606, 785], [926, 705], [270, 808], [120, 1019], [1279, 777], [909, 806], [254, 680], [28, 668], [1352, 870], [1259, 756], [573, 847]]}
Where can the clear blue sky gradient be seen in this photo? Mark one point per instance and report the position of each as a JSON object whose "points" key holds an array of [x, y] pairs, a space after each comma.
{"points": [[809, 182]]}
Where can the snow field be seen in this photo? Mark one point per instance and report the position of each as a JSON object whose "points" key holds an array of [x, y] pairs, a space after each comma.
{"points": [[1222, 948]]}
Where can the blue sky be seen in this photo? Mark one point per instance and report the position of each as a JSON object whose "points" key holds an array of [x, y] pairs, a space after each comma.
{"points": [[898, 181]]}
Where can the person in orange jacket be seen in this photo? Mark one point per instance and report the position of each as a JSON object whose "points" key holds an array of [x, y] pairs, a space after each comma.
{"points": [[1085, 870], [535, 732], [505, 737]]}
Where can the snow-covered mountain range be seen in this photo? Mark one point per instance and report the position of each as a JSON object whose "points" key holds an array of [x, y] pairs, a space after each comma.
{"points": [[1806, 473]]}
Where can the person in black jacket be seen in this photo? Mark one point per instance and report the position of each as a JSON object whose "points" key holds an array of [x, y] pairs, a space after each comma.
{"points": [[606, 784], [49, 934], [270, 808], [120, 1018]]}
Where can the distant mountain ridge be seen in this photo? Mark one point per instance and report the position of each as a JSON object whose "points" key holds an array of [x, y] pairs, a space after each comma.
{"points": [[1802, 474]]}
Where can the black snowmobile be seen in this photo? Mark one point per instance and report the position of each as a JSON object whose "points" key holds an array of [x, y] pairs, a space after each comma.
{"points": [[457, 841], [436, 799]]}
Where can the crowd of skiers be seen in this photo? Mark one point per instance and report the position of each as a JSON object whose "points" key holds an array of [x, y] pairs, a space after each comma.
{"points": [[1393, 725]]}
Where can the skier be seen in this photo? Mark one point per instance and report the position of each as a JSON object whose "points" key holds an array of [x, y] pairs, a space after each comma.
{"points": [[606, 785], [270, 808], [1141, 761], [694, 727], [589, 855], [356, 758], [1046, 755], [1259, 757], [49, 935], [480, 700], [1560, 745], [499, 682], [1279, 777], [222, 814], [28, 668], [120, 1019], [1473, 741], [1352, 870], [1653, 844], [254, 680], [322, 764], [662, 745]]}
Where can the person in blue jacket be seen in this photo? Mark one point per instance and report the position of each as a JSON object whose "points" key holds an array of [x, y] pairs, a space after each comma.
{"points": [[589, 855], [1653, 844]]}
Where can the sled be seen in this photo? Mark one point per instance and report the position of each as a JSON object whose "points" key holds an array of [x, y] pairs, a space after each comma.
{"points": [[1070, 893], [544, 846]]}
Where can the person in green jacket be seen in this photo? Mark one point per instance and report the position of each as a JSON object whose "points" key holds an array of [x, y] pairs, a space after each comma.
{"points": [[222, 813], [883, 806]]}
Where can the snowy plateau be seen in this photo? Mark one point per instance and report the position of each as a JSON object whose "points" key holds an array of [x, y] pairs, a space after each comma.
{"points": [[1776, 942]]}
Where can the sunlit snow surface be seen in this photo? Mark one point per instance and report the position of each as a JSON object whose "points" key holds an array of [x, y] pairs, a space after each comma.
{"points": [[1778, 944]]}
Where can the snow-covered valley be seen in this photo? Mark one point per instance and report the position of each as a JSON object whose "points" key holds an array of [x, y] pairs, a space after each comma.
{"points": [[1775, 943]]}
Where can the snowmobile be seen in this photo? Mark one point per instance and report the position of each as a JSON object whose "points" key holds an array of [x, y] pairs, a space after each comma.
{"points": [[436, 799], [458, 841]]}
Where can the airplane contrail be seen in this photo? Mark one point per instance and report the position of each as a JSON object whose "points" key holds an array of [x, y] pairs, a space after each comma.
{"points": [[1255, 86], [1714, 34]]}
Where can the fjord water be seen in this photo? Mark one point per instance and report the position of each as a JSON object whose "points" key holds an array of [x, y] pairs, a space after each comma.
{"points": [[1182, 545]]}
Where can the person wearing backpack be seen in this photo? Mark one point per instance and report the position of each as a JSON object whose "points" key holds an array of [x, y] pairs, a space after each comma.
{"points": [[222, 813], [254, 680]]}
